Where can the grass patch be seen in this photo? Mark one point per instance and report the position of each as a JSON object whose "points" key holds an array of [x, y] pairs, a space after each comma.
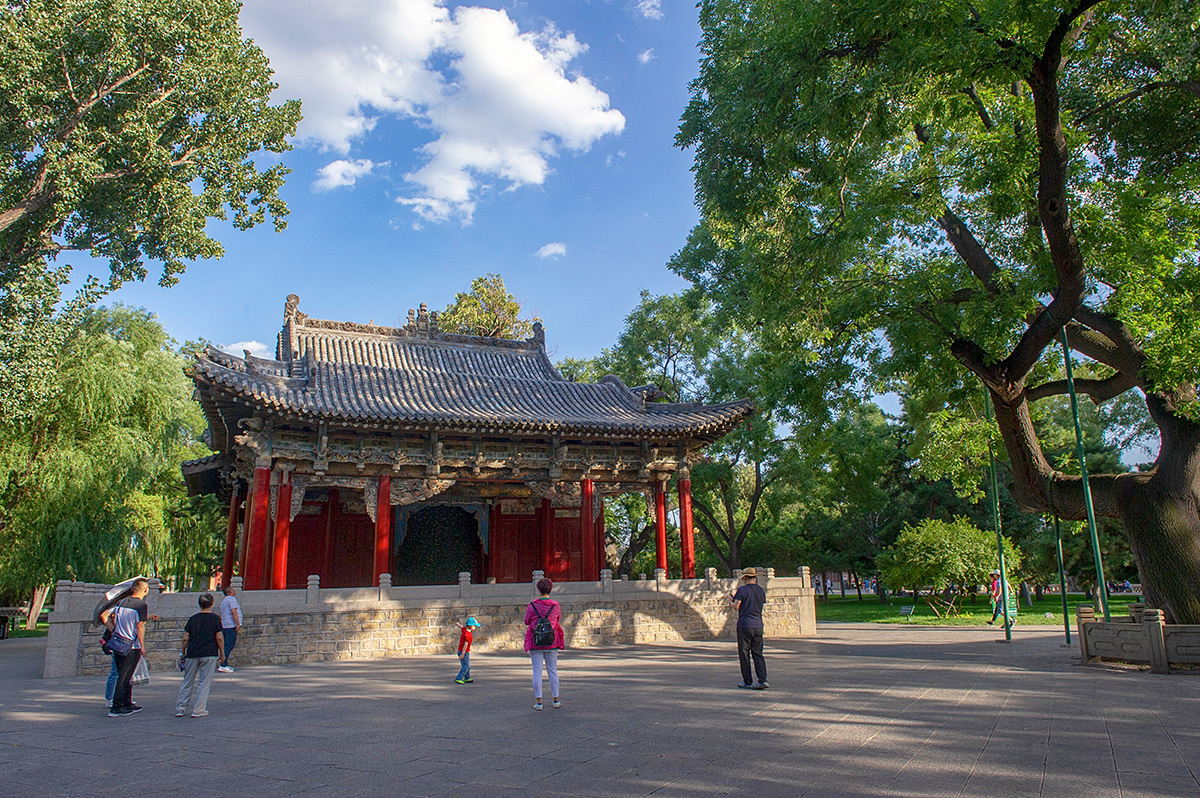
{"points": [[42, 630], [869, 610]]}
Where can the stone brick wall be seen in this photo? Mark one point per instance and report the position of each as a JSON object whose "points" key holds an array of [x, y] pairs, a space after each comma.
{"points": [[322, 625]]}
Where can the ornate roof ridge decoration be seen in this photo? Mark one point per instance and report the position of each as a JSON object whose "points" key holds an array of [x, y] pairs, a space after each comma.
{"points": [[419, 379]]}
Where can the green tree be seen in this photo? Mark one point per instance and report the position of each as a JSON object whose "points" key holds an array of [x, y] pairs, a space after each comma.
{"points": [[90, 487], [488, 309], [929, 195], [947, 559], [126, 125]]}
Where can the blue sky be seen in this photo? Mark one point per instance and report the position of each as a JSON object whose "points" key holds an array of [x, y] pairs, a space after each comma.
{"points": [[443, 142]]}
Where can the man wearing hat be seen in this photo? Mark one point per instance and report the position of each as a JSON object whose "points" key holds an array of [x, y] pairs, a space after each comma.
{"points": [[748, 600], [464, 651], [994, 594]]}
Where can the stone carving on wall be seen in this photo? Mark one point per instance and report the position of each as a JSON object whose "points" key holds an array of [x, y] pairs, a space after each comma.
{"points": [[297, 500], [562, 494]]}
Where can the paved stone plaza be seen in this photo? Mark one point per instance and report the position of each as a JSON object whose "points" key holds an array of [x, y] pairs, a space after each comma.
{"points": [[863, 710]]}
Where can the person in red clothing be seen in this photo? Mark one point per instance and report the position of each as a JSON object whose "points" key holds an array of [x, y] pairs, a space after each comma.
{"points": [[464, 651], [544, 651]]}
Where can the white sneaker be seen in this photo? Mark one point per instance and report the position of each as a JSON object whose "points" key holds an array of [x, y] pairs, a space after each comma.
{"points": [[203, 714], [224, 669]]}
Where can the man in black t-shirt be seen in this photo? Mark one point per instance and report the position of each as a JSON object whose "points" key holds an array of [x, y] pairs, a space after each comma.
{"points": [[749, 600], [203, 648]]}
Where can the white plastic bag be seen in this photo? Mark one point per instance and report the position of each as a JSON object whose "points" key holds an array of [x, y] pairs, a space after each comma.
{"points": [[141, 673]]}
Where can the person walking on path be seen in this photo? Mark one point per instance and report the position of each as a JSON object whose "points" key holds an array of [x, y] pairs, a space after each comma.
{"points": [[748, 600], [994, 592], [464, 651], [127, 620], [203, 646], [231, 624], [543, 640]]}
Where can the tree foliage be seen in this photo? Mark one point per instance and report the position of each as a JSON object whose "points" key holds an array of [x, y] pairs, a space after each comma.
{"points": [[90, 487], [928, 195], [946, 559], [488, 309], [126, 126]]}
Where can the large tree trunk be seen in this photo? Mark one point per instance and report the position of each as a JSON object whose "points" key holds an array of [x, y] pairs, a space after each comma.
{"points": [[1160, 509], [35, 606]]}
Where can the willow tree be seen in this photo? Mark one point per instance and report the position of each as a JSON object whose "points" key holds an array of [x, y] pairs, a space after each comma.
{"points": [[933, 192], [125, 127]]}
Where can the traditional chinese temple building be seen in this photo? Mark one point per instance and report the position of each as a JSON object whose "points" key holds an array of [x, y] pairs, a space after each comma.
{"points": [[362, 450]]}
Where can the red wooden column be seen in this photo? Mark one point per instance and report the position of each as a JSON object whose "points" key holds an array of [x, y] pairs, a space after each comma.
{"points": [[587, 530], [256, 540], [660, 526], [687, 545], [601, 562], [231, 530], [247, 513], [383, 529], [283, 526]]}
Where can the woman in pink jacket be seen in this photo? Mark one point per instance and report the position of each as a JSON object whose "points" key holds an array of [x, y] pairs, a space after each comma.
{"points": [[544, 648]]}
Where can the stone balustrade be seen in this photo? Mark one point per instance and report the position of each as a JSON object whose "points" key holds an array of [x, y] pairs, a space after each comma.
{"points": [[1142, 637], [321, 624]]}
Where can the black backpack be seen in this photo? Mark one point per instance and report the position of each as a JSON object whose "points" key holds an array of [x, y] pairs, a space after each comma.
{"points": [[543, 632]]}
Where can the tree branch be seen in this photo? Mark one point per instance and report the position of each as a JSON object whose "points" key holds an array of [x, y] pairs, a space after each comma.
{"points": [[1190, 86], [1100, 391]]}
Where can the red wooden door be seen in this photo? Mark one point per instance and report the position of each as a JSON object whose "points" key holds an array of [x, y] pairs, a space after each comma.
{"points": [[513, 547]]}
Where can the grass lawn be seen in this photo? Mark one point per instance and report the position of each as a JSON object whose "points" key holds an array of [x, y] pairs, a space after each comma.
{"points": [[869, 610], [42, 630]]}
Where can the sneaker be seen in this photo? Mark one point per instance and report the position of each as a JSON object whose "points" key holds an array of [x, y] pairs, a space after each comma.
{"points": [[468, 681], [200, 714], [557, 704], [761, 686], [991, 623], [179, 713], [224, 669], [745, 685], [537, 705], [460, 681], [134, 708], [119, 713]]}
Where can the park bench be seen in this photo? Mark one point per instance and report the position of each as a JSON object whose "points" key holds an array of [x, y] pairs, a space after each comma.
{"points": [[9, 616]]}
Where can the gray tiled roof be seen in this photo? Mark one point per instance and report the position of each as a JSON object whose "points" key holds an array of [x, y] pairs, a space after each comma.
{"points": [[417, 376]]}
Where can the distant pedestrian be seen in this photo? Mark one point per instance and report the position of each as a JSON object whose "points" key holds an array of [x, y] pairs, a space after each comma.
{"points": [[464, 651], [994, 594], [127, 621], [231, 624], [543, 640], [203, 647], [749, 600]]}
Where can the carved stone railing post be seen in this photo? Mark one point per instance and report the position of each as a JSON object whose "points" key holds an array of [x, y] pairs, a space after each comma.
{"points": [[62, 595], [312, 594], [641, 577], [710, 576], [236, 583], [464, 584], [737, 573], [805, 575], [606, 580], [385, 586], [660, 577], [1153, 621], [538, 576], [1084, 614]]}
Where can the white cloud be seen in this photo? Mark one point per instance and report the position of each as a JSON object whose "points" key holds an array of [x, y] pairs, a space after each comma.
{"points": [[646, 57], [552, 250], [499, 102], [650, 9], [257, 348], [342, 173]]}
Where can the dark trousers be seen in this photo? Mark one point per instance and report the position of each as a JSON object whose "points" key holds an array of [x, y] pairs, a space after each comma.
{"points": [[123, 695], [750, 644], [230, 636]]}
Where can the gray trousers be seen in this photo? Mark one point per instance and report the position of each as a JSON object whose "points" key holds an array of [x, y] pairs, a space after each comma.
{"points": [[197, 680]]}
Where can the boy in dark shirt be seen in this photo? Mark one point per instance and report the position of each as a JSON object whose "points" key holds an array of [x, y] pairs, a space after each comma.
{"points": [[464, 651], [748, 600], [203, 648]]}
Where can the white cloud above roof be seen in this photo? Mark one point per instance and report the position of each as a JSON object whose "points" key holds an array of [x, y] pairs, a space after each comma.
{"points": [[646, 57], [555, 249], [256, 348], [342, 173], [499, 102]]}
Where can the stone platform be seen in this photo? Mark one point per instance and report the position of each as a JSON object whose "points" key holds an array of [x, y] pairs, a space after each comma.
{"points": [[863, 710]]}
